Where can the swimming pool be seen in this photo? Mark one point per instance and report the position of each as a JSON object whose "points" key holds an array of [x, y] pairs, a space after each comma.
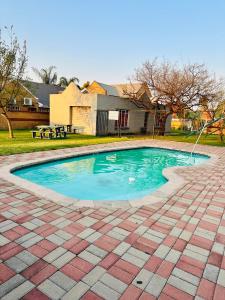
{"points": [[116, 175]]}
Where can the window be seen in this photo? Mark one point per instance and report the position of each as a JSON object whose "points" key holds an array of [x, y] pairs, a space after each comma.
{"points": [[123, 119], [27, 101]]}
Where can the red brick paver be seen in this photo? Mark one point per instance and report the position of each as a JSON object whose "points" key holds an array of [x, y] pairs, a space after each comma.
{"points": [[173, 249]]}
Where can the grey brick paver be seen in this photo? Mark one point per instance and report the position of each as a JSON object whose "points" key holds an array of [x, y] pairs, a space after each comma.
{"points": [[93, 276], [114, 283], [50, 257], [186, 276], [94, 259], [55, 239], [156, 285], [32, 241], [19, 291], [142, 279], [76, 292], [16, 264], [97, 251], [52, 290], [133, 259], [105, 292], [121, 248], [11, 284], [63, 259], [27, 257], [62, 280], [211, 273], [182, 285], [221, 277]]}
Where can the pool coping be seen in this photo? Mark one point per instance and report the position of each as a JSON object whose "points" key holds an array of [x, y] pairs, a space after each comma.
{"points": [[174, 183]]}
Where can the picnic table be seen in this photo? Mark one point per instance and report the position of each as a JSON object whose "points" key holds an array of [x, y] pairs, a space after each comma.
{"points": [[49, 132]]}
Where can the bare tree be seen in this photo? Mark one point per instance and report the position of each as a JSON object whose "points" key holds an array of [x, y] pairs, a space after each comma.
{"points": [[13, 61], [178, 88]]}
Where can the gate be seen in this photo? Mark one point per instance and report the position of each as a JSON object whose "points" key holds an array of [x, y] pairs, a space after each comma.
{"points": [[102, 122]]}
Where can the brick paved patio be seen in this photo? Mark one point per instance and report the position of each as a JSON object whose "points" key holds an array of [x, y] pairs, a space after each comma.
{"points": [[166, 250]]}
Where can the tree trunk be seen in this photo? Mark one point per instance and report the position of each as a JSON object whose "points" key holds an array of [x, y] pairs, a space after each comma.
{"points": [[163, 124], [8, 121]]}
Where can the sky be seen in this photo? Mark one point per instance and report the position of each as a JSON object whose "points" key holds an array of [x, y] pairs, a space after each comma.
{"points": [[105, 40]]}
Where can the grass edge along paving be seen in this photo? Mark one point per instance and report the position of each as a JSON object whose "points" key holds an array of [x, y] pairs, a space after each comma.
{"points": [[24, 143]]}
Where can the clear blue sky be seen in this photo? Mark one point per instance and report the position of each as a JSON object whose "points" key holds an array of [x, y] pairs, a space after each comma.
{"points": [[105, 40]]}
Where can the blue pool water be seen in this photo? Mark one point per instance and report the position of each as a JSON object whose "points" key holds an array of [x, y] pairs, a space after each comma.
{"points": [[118, 175]]}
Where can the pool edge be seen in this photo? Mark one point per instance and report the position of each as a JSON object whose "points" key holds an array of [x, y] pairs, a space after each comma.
{"points": [[175, 181]]}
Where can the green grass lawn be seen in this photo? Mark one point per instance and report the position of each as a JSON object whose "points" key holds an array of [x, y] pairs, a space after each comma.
{"points": [[23, 141]]}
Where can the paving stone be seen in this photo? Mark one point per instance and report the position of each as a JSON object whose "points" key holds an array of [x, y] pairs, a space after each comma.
{"points": [[156, 285], [50, 257], [11, 284], [141, 230], [173, 256], [182, 285], [85, 233], [27, 257], [19, 291], [121, 231], [38, 222], [121, 248], [140, 254], [133, 259], [55, 239], [87, 221], [198, 250], [218, 248], [25, 237], [116, 235], [195, 255], [76, 292], [186, 276], [3, 240], [63, 234], [105, 292], [93, 237], [152, 237], [162, 251], [16, 264], [114, 283], [30, 225], [211, 273], [22, 195], [93, 259], [32, 241], [97, 251], [186, 235], [62, 281], [93, 276], [142, 279], [52, 290], [221, 278], [63, 259]]}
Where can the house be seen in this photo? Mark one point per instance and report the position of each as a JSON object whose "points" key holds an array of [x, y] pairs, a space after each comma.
{"points": [[91, 110], [31, 107]]}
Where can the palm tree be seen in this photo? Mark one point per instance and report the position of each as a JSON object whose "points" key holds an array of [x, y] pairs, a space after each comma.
{"points": [[47, 75], [64, 82]]}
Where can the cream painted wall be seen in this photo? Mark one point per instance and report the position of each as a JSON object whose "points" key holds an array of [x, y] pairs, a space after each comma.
{"points": [[136, 117], [71, 107], [61, 106]]}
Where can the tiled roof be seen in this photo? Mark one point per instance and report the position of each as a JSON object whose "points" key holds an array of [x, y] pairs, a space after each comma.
{"points": [[42, 91]]}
